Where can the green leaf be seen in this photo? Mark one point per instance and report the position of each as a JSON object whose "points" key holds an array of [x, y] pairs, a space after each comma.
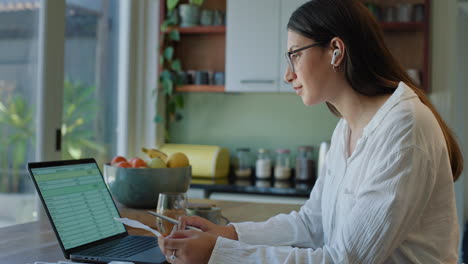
{"points": [[178, 116], [166, 75], [168, 86], [169, 53], [179, 101], [171, 4], [176, 65], [158, 119], [172, 18], [161, 60], [174, 35], [164, 26]]}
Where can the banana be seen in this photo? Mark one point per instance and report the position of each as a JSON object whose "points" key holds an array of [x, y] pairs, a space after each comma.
{"points": [[154, 153]]}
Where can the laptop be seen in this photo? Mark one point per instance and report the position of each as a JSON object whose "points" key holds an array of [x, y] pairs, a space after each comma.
{"points": [[81, 211]]}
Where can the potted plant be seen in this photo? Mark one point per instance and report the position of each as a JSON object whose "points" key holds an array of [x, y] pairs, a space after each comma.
{"points": [[190, 13], [170, 67]]}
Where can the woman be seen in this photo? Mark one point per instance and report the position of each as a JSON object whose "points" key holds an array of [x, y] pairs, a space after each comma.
{"points": [[387, 192]]}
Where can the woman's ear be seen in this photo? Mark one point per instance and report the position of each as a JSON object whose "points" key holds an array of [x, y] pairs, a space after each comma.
{"points": [[337, 51]]}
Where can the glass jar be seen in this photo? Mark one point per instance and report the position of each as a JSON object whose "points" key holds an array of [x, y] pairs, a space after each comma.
{"points": [[263, 164], [242, 168], [282, 165], [282, 184], [263, 183], [305, 165]]}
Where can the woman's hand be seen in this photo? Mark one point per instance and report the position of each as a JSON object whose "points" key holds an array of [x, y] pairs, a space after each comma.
{"points": [[209, 227], [188, 246]]}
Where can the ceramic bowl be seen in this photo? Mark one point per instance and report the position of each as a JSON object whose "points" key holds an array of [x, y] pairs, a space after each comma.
{"points": [[140, 187]]}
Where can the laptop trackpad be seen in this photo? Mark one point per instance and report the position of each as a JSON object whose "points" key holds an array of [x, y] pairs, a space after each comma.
{"points": [[153, 253]]}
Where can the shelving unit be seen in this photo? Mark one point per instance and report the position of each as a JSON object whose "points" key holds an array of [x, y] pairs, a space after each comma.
{"points": [[402, 26], [409, 41], [201, 30], [201, 88], [203, 47]]}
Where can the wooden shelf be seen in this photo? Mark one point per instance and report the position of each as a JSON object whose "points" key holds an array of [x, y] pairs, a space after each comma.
{"points": [[200, 30], [402, 26], [201, 88]]}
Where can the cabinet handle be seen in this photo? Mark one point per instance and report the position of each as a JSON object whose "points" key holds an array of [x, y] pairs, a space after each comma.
{"points": [[257, 81]]}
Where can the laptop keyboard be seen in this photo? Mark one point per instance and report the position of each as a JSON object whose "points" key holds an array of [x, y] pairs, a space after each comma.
{"points": [[122, 248]]}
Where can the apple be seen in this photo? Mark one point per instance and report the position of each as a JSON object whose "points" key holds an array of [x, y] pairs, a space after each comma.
{"points": [[156, 163], [137, 163], [117, 159], [123, 164]]}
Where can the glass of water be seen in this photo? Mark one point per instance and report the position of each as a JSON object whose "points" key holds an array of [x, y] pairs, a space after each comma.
{"points": [[172, 205]]}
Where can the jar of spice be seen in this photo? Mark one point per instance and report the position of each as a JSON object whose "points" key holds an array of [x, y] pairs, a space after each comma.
{"points": [[242, 167], [282, 165], [305, 165], [263, 164]]}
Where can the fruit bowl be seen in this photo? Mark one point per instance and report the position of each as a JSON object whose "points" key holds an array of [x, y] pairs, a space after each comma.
{"points": [[140, 187]]}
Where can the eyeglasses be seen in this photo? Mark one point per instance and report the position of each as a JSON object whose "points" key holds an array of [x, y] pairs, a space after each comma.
{"points": [[289, 53]]}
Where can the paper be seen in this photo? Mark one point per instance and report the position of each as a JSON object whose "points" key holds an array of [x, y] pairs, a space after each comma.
{"points": [[136, 224]]}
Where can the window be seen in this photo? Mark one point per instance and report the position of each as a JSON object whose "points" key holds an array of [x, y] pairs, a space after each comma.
{"points": [[18, 73], [89, 93]]}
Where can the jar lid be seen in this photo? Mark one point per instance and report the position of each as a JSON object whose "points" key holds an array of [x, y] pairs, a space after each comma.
{"points": [[305, 148], [262, 150], [243, 149], [282, 151]]}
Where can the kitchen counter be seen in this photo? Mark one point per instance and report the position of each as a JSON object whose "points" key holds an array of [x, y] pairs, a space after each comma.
{"points": [[36, 241], [288, 188]]}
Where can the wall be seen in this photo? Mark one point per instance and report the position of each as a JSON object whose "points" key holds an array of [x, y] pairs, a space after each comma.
{"points": [[267, 120], [447, 93], [462, 84]]}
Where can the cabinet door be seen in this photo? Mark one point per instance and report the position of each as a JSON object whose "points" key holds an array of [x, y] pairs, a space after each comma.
{"points": [[252, 46], [287, 8]]}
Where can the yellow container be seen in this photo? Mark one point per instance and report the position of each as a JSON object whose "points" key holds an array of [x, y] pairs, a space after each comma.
{"points": [[206, 161]]}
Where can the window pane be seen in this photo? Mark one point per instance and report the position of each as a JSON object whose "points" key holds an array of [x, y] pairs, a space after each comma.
{"points": [[89, 114], [19, 22]]}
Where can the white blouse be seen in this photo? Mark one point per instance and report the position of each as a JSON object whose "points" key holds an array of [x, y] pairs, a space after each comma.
{"points": [[392, 201]]}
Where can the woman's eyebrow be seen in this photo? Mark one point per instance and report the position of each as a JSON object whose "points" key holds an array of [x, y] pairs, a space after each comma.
{"points": [[292, 47]]}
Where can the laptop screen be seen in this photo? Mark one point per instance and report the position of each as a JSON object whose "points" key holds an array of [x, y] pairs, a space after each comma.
{"points": [[78, 202]]}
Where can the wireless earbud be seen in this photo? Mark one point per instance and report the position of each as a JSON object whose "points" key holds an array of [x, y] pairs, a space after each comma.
{"points": [[336, 53]]}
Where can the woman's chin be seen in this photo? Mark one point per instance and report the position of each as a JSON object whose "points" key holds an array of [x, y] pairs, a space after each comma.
{"points": [[309, 101]]}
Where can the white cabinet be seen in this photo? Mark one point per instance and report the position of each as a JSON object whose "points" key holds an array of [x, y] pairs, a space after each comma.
{"points": [[287, 8], [256, 43], [252, 45]]}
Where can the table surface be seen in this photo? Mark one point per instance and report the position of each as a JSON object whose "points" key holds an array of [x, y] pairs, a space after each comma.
{"points": [[36, 241]]}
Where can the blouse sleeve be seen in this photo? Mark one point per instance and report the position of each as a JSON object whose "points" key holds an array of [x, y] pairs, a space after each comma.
{"points": [[302, 229], [386, 209]]}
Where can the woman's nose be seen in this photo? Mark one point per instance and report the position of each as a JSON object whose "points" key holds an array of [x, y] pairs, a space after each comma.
{"points": [[289, 76]]}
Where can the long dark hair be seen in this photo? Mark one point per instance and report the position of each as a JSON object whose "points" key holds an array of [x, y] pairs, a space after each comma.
{"points": [[369, 66]]}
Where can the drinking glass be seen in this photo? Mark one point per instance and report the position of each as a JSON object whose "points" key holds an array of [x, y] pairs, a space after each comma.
{"points": [[172, 205]]}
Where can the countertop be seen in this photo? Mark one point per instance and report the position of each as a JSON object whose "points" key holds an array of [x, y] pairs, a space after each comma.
{"points": [[36, 241], [253, 185]]}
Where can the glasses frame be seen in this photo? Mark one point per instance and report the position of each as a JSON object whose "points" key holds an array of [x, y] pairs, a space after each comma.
{"points": [[289, 53]]}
